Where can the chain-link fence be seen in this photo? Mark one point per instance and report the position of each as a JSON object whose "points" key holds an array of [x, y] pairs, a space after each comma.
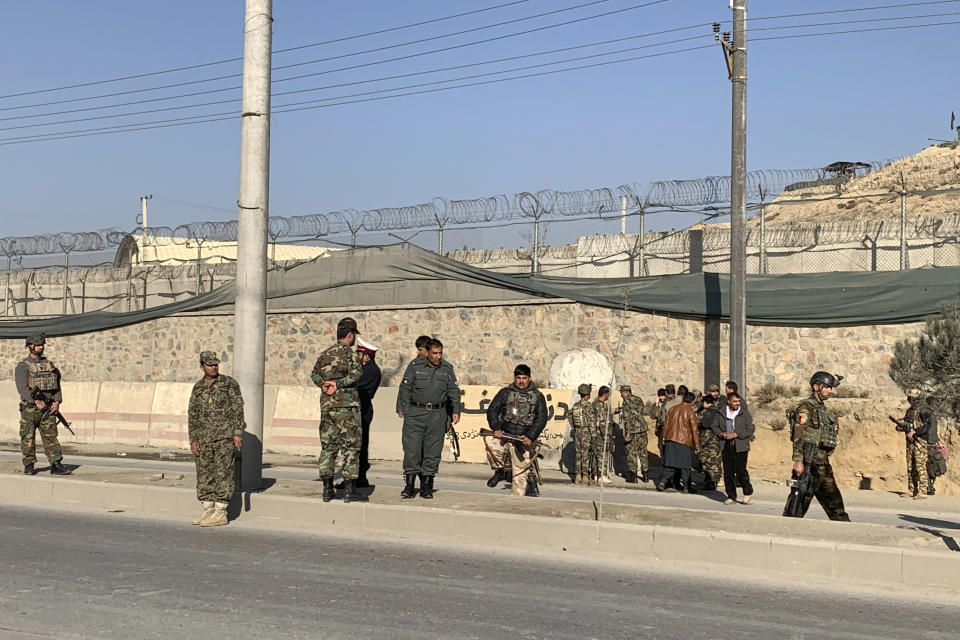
{"points": [[847, 216]]}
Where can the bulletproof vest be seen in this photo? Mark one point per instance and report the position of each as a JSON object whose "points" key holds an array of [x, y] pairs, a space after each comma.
{"points": [[42, 375], [822, 430], [519, 407]]}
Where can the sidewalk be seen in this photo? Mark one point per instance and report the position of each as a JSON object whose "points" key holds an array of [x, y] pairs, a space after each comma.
{"points": [[911, 555]]}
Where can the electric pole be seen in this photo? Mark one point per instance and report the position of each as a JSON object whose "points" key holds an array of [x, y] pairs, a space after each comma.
{"points": [[736, 58], [251, 282]]}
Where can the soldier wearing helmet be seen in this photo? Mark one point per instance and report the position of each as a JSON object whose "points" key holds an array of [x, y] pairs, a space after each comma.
{"points": [[38, 384], [814, 425], [918, 484]]}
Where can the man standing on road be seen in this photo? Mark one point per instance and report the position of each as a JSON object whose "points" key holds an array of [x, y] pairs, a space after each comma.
{"points": [[215, 426], [519, 409], [38, 385], [367, 388], [680, 443], [815, 429], [936, 462], [738, 432], [634, 428], [601, 434], [917, 448], [337, 372], [425, 391], [582, 420], [709, 427]]}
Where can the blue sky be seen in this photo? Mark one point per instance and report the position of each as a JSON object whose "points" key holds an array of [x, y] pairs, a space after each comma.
{"points": [[860, 96]]}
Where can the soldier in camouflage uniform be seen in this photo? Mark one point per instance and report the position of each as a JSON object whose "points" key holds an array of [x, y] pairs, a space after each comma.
{"points": [[518, 409], [917, 448], [815, 426], [215, 426], [634, 428], [936, 463], [710, 426], [582, 421], [337, 372], [427, 392], [601, 435], [38, 385]]}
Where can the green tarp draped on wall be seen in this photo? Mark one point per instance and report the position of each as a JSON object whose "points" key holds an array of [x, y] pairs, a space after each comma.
{"points": [[397, 275]]}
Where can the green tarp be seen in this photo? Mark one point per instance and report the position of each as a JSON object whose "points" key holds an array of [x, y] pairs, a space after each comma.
{"points": [[397, 275]]}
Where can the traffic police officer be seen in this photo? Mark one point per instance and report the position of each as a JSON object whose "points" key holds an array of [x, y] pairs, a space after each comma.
{"points": [[427, 389]]}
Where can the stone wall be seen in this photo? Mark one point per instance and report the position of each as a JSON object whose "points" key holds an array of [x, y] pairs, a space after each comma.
{"points": [[484, 343]]}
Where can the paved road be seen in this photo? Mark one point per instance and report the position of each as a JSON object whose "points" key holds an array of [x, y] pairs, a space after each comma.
{"points": [[76, 575], [939, 513]]}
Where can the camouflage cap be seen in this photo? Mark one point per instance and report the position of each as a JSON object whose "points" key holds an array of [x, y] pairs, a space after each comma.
{"points": [[348, 324], [713, 387], [584, 389], [36, 338], [209, 357], [625, 387]]}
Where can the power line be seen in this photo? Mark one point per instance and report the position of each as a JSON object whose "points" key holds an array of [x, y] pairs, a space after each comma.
{"points": [[430, 71], [305, 46], [394, 77], [346, 38], [224, 116], [238, 75]]}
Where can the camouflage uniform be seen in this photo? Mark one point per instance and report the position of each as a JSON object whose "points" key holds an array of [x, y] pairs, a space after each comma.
{"points": [[340, 428], [917, 453], [582, 420], [634, 428], [214, 418], [38, 376], [709, 456], [817, 426], [601, 417], [659, 413]]}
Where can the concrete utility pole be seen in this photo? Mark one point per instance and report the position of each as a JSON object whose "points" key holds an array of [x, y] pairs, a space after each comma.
{"points": [[736, 55], [143, 226], [251, 284]]}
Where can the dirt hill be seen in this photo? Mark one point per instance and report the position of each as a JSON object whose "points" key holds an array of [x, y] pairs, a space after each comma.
{"points": [[874, 194], [871, 454]]}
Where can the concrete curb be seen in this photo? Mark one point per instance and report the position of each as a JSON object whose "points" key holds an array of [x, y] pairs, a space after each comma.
{"points": [[719, 550]]}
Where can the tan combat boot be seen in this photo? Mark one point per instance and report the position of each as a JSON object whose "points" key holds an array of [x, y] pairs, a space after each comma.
{"points": [[605, 480], [217, 517], [207, 510]]}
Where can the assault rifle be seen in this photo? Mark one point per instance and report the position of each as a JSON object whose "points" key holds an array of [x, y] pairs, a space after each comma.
{"points": [[903, 427], [509, 437], [800, 486], [37, 394], [454, 441]]}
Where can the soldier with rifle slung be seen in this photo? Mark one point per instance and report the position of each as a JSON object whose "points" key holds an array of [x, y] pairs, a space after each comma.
{"points": [[814, 432], [915, 430], [38, 384], [517, 415]]}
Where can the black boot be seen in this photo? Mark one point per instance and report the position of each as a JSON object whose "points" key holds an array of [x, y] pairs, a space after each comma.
{"points": [[58, 469], [643, 477], [361, 482], [328, 491], [532, 490], [426, 487], [930, 490], [496, 478], [409, 489], [709, 484], [630, 477], [28, 470], [350, 492]]}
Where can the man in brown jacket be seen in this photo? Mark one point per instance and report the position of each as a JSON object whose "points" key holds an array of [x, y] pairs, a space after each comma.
{"points": [[680, 442]]}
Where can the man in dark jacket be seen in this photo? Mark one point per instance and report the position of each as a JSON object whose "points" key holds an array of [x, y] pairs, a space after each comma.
{"points": [[367, 387], [519, 409], [738, 432]]}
